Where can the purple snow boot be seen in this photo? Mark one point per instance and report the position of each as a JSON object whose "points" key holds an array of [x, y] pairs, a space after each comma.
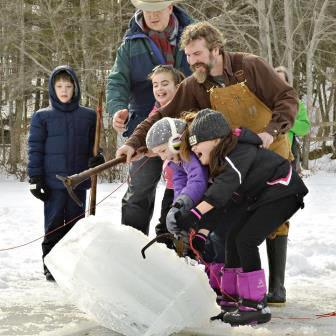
{"points": [[253, 307], [228, 287]]}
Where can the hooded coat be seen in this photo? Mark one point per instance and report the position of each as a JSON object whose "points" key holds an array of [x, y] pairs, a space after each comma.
{"points": [[253, 174], [128, 86], [61, 136]]}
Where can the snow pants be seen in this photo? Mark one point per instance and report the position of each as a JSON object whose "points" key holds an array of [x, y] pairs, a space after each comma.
{"points": [[167, 201], [248, 229], [60, 209], [138, 202], [215, 244]]}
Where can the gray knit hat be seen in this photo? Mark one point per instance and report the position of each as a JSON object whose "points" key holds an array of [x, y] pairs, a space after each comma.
{"points": [[208, 125], [164, 131]]}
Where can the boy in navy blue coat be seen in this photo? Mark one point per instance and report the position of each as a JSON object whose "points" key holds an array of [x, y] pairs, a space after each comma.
{"points": [[60, 142]]}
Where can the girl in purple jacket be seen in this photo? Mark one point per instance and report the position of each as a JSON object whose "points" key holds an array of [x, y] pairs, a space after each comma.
{"points": [[190, 178]]}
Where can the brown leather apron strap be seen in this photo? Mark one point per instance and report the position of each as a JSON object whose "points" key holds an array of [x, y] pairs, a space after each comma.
{"points": [[237, 66]]}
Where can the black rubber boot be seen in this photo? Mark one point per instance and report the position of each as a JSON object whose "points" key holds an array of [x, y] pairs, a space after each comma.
{"points": [[277, 254], [48, 275]]}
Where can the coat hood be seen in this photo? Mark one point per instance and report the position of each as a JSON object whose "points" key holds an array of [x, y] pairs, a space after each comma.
{"points": [[54, 101], [247, 136]]}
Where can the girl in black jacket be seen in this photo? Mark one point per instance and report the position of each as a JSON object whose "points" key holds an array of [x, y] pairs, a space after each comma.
{"points": [[257, 191]]}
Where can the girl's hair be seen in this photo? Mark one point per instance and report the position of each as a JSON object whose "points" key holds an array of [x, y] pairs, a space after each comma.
{"points": [[185, 148], [177, 75], [225, 146]]}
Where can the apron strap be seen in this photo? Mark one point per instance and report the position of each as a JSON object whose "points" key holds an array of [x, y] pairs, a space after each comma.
{"points": [[237, 66]]}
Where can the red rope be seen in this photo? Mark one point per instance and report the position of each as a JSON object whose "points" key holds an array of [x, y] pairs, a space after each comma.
{"points": [[71, 220], [317, 316], [332, 314], [60, 227]]}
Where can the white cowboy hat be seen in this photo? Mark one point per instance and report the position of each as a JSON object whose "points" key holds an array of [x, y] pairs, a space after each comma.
{"points": [[153, 5]]}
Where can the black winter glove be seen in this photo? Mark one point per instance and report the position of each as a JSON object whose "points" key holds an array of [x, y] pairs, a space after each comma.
{"points": [[189, 220], [182, 204], [198, 242], [38, 188], [96, 160]]}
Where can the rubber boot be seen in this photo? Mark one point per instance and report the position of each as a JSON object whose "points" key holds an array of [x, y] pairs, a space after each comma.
{"points": [[252, 307], [277, 253], [229, 291], [47, 274]]}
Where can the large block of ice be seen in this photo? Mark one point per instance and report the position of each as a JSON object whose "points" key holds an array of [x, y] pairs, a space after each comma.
{"points": [[100, 266]]}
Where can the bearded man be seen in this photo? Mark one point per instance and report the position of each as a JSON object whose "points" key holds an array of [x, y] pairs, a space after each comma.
{"points": [[244, 87]]}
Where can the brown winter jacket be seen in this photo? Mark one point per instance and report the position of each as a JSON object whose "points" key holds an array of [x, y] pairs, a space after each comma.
{"points": [[261, 79]]}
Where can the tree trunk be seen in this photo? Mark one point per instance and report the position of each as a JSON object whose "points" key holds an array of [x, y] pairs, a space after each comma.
{"points": [[264, 30], [288, 22]]}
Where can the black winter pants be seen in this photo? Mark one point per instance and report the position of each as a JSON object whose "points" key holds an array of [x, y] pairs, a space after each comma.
{"points": [[248, 229], [215, 244], [166, 204], [138, 201]]}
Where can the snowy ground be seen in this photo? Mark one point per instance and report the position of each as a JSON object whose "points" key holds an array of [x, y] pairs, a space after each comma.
{"points": [[31, 306]]}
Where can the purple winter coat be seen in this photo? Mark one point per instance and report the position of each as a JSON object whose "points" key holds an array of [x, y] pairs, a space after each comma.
{"points": [[190, 178]]}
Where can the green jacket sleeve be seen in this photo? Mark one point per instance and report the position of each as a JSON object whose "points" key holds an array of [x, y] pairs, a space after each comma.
{"points": [[301, 125], [119, 82]]}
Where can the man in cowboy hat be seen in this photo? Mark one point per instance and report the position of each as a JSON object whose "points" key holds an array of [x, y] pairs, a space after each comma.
{"points": [[151, 39], [153, 5]]}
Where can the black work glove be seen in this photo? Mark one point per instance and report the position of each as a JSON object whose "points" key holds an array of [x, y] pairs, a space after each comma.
{"points": [[38, 188], [189, 220], [97, 160], [198, 242]]}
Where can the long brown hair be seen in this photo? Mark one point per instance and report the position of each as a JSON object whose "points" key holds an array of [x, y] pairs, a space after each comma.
{"points": [[216, 161], [185, 148]]}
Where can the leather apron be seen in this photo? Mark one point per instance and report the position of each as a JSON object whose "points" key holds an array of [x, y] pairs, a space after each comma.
{"points": [[242, 108]]}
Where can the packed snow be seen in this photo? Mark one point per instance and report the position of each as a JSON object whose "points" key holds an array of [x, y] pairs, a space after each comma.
{"points": [[29, 305]]}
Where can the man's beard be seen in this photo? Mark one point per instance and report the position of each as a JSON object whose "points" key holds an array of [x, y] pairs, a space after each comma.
{"points": [[201, 74]]}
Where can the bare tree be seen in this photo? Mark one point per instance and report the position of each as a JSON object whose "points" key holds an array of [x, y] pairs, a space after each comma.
{"points": [[318, 27], [37, 35]]}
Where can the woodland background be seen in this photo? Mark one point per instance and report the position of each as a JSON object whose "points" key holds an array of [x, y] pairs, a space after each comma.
{"points": [[38, 35]]}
